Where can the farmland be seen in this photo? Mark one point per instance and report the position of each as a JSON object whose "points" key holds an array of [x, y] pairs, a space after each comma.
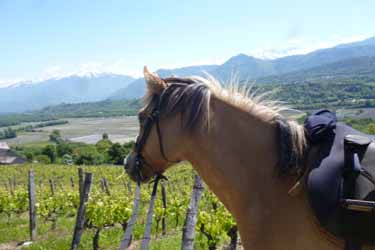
{"points": [[86, 130]]}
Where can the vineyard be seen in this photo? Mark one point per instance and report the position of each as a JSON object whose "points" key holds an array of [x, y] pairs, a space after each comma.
{"points": [[108, 209]]}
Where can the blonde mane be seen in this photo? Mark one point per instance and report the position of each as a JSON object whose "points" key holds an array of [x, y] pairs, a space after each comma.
{"points": [[191, 96]]}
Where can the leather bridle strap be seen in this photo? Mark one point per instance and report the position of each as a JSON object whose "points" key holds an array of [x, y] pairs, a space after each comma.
{"points": [[158, 131], [153, 118]]}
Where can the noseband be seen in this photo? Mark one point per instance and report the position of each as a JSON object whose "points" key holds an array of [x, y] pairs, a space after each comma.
{"points": [[153, 118]]}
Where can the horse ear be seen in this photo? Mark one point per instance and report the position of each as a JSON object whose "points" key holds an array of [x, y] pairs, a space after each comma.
{"points": [[154, 83]]}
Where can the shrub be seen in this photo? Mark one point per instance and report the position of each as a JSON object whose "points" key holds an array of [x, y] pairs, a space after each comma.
{"points": [[44, 159]]}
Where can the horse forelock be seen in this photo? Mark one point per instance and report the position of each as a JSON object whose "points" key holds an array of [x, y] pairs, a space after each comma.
{"points": [[187, 96]]}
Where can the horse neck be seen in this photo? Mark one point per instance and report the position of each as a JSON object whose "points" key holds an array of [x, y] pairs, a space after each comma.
{"points": [[236, 157]]}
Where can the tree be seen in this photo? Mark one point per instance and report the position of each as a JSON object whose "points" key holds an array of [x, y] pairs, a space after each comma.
{"points": [[116, 154], [8, 133], [103, 145], [29, 156], [50, 151], [87, 155], [55, 136], [63, 148], [128, 147]]}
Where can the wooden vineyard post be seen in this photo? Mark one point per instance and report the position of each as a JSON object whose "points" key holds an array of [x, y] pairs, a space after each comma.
{"points": [[14, 182], [188, 231], [104, 185], [72, 181], [52, 186], [79, 226], [80, 181], [10, 186], [32, 207], [164, 200], [125, 242], [147, 233]]}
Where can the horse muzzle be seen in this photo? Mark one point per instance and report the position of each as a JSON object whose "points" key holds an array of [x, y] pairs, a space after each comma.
{"points": [[133, 165]]}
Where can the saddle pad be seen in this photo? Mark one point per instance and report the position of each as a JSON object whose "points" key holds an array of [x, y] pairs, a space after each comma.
{"points": [[325, 187]]}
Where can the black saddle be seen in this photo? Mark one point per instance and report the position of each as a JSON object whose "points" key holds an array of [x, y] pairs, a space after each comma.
{"points": [[340, 183]]}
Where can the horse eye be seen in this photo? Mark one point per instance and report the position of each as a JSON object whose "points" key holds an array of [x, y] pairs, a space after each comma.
{"points": [[141, 118]]}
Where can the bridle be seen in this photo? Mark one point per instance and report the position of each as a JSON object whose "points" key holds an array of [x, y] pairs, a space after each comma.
{"points": [[151, 120]]}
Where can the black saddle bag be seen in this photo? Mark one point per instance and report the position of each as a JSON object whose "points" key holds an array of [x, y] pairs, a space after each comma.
{"points": [[340, 183]]}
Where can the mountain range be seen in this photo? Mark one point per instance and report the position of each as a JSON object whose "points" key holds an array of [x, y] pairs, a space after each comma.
{"points": [[345, 61], [72, 89], [248, 68]]}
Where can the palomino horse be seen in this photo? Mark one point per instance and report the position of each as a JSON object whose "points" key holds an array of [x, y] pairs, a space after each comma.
{"points": [[234, 142]]}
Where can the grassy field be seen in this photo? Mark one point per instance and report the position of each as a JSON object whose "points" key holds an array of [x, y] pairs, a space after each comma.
{"points": [[87, 130]]}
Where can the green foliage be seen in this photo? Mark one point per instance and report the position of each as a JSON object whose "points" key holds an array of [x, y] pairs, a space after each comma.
{"points": [[79, 153], [371, 128], [8, 133], [87, 155], [60, 204], [55, 136], [64, 148], [109, 213], [116, 154], [323, 94], [67, 159], [15, 119], [43, 159], [16, 202], [366, 125], [103, 145], [50, 151], [214, 221], [103, 210]]}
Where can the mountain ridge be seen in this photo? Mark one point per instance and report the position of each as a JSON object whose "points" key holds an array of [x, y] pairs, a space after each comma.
{"points": [[97, 87], [248, 68], [71, 89]]}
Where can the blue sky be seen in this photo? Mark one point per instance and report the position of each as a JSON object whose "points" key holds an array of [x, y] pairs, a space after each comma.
{"points": [[48, 38]]}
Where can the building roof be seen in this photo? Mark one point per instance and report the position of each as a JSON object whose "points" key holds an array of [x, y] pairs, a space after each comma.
{"points": [[7, 159], [4, 145], [7, 156]]}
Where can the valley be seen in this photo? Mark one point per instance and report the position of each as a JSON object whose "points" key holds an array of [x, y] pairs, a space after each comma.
{"points": [[86, 130]]}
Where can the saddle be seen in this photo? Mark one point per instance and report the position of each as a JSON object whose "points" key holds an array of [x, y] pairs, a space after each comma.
{"points": [[341, 179]]}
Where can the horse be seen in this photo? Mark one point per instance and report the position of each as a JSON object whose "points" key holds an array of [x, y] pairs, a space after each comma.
{"points": [[236, 141]]}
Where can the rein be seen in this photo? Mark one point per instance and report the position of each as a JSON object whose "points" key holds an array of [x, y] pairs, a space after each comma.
{"points": [[151, 120]]}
